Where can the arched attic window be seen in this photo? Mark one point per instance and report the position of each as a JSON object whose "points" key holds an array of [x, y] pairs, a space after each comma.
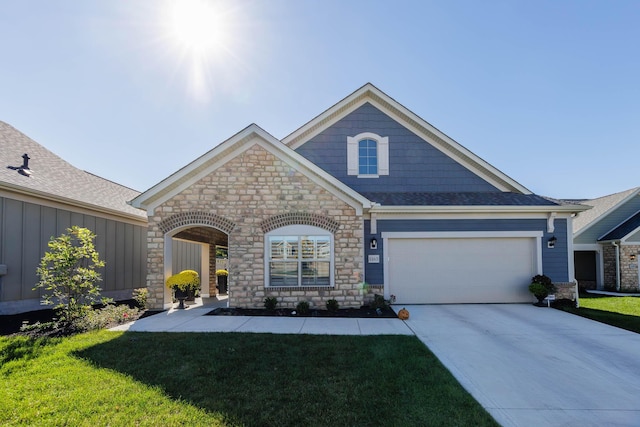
{"points": [[368, 155]]}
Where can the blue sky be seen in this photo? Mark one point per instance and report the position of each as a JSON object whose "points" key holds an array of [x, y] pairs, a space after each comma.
{"points": [[546, 91]]}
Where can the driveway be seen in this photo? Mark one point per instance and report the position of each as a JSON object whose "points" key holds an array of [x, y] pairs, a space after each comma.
{"points": [[531, 366]]}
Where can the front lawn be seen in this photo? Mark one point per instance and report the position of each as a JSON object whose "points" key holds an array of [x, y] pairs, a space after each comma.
{"points": [[623, 312], [216, 379]]}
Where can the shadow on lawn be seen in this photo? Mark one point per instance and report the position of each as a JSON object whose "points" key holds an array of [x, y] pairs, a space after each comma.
{"points": [[624, 321], [292, 380]]}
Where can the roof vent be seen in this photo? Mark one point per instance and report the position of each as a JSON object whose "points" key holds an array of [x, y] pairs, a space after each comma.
{"points": [[24, 169]]}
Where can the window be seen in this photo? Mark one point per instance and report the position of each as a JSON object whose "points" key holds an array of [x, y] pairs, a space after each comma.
{"points": [[299, 256], [367, 155]]}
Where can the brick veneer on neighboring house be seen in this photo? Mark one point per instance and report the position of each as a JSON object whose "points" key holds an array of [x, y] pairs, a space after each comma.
{"points": [[628, 267], [243, 194]]}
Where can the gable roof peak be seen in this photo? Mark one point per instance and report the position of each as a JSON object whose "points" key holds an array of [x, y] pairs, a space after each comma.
{"points": [[602, 206], [369, 93]]}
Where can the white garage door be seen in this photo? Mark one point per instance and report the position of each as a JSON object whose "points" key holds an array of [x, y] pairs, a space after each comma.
{"points": [[461, 270]]}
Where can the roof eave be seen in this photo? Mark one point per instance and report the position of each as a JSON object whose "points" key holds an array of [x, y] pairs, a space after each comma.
{"points": [[477, 209], [71, 202]]}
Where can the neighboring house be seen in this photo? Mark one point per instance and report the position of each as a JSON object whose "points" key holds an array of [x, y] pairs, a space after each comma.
{"points": [[366, 192], [41, 196], [606, 241]]}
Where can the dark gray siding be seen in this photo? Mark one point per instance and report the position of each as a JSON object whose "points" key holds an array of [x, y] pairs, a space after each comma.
{"points": [[186, 256], [554, 261], [414, 165], [25, 230]]}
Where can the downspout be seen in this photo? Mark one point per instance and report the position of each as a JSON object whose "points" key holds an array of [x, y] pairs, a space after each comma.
{"points": [[617, 266]]}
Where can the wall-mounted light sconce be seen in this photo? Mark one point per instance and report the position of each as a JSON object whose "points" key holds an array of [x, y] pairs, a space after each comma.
{"points": [[373, 244], [552, 242], [632, 257]]}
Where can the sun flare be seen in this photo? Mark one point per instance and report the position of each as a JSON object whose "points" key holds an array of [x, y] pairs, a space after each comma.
{"points": [[203, 40], [197, 26]]}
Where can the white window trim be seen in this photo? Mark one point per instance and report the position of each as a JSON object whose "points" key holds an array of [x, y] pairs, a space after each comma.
{"points": [[298, 230], [352, 154]]}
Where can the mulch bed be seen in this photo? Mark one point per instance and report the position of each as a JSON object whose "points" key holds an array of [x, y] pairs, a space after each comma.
{"points": [[362, 312]]}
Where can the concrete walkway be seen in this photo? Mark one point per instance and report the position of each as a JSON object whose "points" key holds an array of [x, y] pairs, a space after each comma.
{"points": [[193, 319], [531, 366]]}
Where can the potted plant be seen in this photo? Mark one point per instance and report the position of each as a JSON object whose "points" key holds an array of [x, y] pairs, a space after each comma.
{"points": [[222, 281], [182, 283], [541, 286]]}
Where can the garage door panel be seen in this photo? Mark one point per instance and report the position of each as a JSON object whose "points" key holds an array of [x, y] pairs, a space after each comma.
{"points": [[480, 270]]}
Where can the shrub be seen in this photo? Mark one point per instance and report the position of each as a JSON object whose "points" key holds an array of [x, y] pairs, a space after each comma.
{"points": [[110, 315], [378, 302], [544, 281], [270, 303], [538, 290], [333, 305], [303, 307], [541, 286], [68, 274], [140, 295], [185, 280]]}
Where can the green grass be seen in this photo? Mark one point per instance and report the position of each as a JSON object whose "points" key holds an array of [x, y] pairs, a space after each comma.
{"points": [[161, 379], [623, 312]]}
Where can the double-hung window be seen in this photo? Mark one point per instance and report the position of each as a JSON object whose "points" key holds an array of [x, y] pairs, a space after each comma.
{"points": [[299, 256], [367, 155]]}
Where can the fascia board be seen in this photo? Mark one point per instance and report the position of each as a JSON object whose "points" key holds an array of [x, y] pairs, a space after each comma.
{"points": [[478, 209], [607, 212], [413, 122], [618, 225], [463, 215], [327, 118], [318, 176], [631, 233], [182, 178], [451, 148], [230, 149], [59, 202]]}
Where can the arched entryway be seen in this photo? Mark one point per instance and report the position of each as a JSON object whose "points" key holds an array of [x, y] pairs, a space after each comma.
{"points": [[207, 230]]}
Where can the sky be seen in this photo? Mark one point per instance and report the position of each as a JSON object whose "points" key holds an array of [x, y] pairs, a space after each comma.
{"points": [[547, 91]]}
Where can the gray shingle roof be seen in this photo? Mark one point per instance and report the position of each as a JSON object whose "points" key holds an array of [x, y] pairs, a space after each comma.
{"points": [[601, 206], [623, 229], [459, 199], [53, 177]]}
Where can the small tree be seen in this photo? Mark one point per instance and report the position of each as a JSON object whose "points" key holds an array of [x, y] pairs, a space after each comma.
{"points": [[68, 274]]}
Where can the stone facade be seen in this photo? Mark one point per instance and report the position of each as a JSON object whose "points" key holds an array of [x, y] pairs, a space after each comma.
{"points": [[628, 267], [565, 291], [241, 196]]}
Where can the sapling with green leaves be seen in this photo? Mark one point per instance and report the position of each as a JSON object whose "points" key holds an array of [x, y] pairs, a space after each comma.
{"points": [[68, 274]]}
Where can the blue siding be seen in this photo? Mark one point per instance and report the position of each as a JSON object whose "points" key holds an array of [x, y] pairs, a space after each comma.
{"points": [[555, 261], [414, 165]]}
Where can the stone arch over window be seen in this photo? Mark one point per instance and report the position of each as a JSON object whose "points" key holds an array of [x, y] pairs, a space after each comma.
{"points": [[300, 218], [196, 218]]}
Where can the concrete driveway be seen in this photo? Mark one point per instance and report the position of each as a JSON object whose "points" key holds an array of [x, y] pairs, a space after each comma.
{"points": [[531, 366]]}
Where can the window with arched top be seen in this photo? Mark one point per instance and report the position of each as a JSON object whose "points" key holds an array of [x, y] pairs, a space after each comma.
{"points": [[367, 155]]}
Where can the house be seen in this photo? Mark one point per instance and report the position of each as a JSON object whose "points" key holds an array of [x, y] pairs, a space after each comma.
{"points": [[606, 241], [366, 198], [41, 195]]}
